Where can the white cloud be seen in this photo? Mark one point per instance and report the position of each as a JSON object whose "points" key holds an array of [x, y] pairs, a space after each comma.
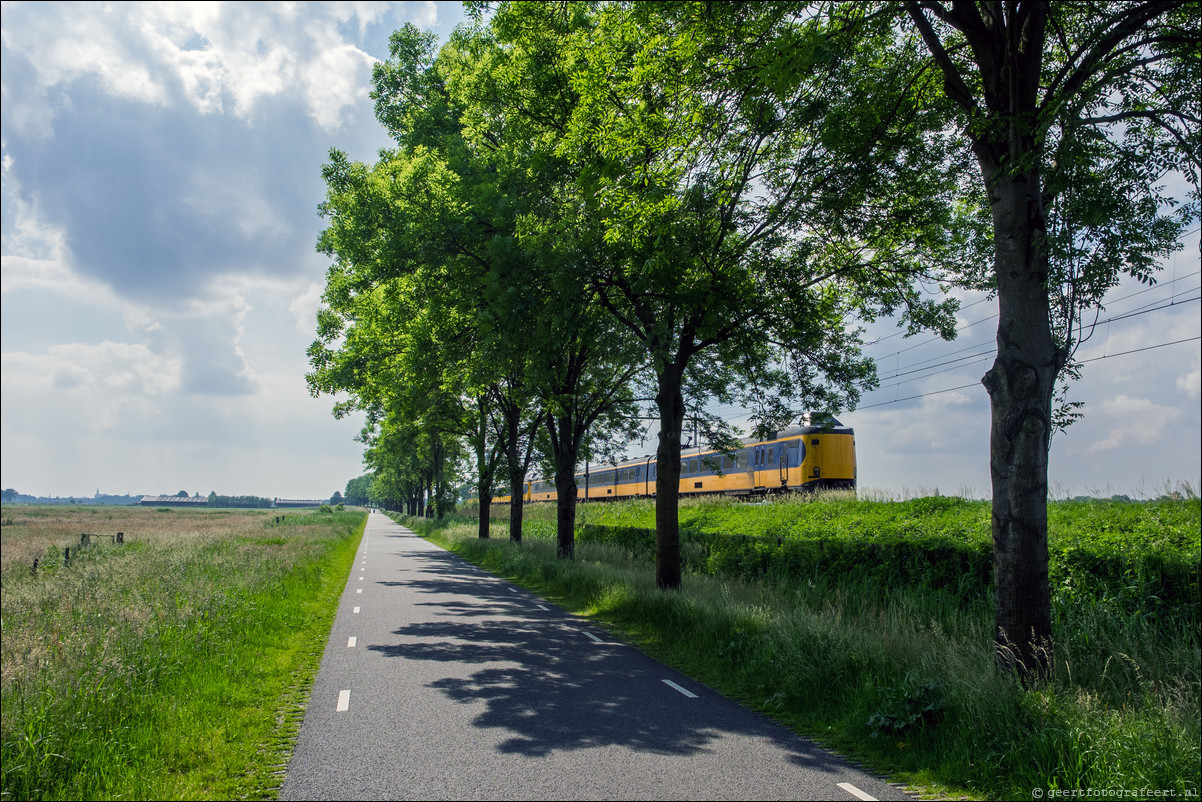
{"points": [[1190, 383], [128, 367], [335, 80], [1135, 420], [36, 255], [304, 308], [221, 58], [75, 41]]}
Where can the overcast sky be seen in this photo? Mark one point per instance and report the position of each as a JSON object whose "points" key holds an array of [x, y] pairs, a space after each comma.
{"points": [[161, 173]]}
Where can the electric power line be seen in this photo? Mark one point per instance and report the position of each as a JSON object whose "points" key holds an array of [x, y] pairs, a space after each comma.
{"points": [[975, 384], [899, 371]]}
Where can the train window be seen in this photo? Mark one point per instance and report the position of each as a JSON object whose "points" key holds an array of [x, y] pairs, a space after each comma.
{"points": [[692, 466]]}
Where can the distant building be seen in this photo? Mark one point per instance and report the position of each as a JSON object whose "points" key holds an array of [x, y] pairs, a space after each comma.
{"points": [[301, 502], [173, 501]]}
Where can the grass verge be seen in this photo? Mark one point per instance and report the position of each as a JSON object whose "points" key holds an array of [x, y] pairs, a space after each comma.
{"points": [[176, 666], [900, 678]]}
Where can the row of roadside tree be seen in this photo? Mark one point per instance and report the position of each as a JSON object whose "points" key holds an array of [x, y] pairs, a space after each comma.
{"points": [[593, 209]]}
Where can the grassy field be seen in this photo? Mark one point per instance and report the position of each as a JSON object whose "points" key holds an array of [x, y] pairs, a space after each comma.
{"points": [[175, 666], [849, 630]]}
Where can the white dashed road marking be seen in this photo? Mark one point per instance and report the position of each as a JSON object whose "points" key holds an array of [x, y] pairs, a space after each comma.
{"points": [[344, 702], [594, 637], [856, 792], [687, 693], [356, 610], [351, 641]]}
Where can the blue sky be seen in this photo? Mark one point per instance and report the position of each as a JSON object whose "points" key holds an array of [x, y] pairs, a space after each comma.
{"points": [[161, 173]]}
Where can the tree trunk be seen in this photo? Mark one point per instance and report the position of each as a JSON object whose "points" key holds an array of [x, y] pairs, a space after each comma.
{"points": [[517, 475], [667, 479], [565, 487], [485, 472], [1021, 385], [436, 485], [485, 505], [517, 501]]}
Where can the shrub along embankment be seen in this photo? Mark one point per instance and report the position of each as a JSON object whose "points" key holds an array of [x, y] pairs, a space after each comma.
{"points": [[1140, 557]]}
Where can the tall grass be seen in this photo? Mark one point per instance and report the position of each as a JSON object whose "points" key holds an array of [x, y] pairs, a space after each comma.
{"points": [[171, 667], [901, 675]]}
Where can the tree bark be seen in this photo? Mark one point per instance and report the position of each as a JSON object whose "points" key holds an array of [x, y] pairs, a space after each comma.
{"points": [[486, 470], [670, 402], [565, 516], [517, 474], [565, 445], [1021, 383], [485, 511]]}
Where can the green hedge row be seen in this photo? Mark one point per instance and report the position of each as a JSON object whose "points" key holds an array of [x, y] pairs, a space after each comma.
{"points": [[960, 568], [1138, 581]]}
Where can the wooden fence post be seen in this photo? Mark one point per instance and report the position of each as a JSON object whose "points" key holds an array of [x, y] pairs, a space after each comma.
{"points": [[67, 556], [35, 566], [120, 537], [85, 539]]}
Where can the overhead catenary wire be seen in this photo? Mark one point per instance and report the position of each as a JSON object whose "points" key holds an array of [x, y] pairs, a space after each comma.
{"points": [[947, 365], [985, 354], [977, 383], [916, 367], [966, 326]]}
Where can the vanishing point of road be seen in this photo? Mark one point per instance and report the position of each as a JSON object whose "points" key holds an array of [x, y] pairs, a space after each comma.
{"points": [[442, 681]]}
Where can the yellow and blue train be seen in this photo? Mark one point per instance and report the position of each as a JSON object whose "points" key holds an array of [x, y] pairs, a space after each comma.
{"points": [[800, 458]]}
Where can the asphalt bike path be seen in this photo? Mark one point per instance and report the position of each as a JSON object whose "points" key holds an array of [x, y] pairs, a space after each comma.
{"points": [[442, 681]]}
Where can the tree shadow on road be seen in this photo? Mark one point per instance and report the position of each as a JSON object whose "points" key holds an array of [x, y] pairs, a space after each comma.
{"points": [[543, 680]]}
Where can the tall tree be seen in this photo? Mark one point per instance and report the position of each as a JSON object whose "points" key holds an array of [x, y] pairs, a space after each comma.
{"points": [[1075, 113], [418, 240], [356, 492], [516, 104]]}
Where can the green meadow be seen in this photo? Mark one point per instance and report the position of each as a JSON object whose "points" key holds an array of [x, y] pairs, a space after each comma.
{"points": [[867, 625], [174, 666]]}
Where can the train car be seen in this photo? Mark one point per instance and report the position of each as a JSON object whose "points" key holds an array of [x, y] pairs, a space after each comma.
{"points": [[798, 459]]}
